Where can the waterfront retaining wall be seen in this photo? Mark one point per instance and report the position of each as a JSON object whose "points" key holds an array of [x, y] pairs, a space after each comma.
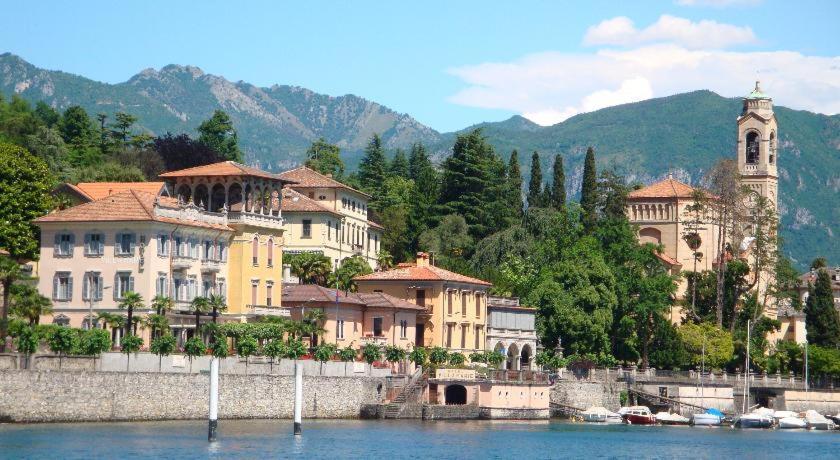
{"points": [[54, 396], [585, 394], [824, 402]]}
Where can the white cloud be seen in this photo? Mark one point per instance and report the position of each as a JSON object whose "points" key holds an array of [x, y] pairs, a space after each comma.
{"points": [[718, 3], [550, 87], [621, 31]]}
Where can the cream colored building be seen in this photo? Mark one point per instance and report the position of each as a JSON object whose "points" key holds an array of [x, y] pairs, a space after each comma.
{"points": [[329, 217], [455, 305]]}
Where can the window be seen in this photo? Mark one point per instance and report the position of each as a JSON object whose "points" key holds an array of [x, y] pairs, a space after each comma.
{"points": [[124, 244], [477, 305], [61, 320], [220, 287], [477, 335], [192, 288], [403, 328], [123, 282], [206, 288], [254, 285], [163, 245], [92, 285], [270, 251], [420, 297], [222, 252], [449, 335], [449, 300], [179, 250], [354, 206], [268, 286], [180, 289], [463, 304], [255, 251], [162, 285], [62, 286], [329, 230], [208, 250], [193, 248], [377, 326], [464, 329], [752, 153], [64, 245], [311, 195], [307, 228], [94, 244], [340, 329]]}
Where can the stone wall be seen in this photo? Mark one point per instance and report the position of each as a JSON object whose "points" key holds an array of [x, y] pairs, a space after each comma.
{"points": [[514, 414], [454, 412], [53, 396], [824, 402], [585, 394]]}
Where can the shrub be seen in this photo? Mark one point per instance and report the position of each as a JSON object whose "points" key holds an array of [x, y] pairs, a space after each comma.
{"points": [[324, 352], [394, 354], [95, 342], [347, 354], [194, 347], [246, 346], [418, 356], [163, 345], [63, 340], [27, 340], [456, 359], [438, 356], [131, 344], [295, 349], [371, 352]]}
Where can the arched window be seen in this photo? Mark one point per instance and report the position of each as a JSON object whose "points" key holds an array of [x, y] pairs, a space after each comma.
{"points": [[217, 198], [752, 147], [255, 250], [202, 196], [772, 157], [270, 250], [184, 193]]}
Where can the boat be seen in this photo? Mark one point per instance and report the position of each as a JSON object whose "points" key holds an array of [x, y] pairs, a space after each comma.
{"points": [[791, 423], [637, 415], [667, 418], [597, 414], [780, 414], [835, 419], [817, 422], [753, 420], [712, 417]]}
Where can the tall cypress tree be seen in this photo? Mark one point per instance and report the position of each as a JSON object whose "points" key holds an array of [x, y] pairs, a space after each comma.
{"points": [[374, 166], [589, 191], [558, 186], [821, 318], [424, 193], [514, 184], [399, 165], [535, 194]]}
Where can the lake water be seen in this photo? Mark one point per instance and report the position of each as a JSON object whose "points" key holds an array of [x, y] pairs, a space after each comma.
{"points": [[405, 439]]}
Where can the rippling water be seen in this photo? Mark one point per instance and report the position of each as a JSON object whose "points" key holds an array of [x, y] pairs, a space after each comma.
{"points": [[406, 439]]}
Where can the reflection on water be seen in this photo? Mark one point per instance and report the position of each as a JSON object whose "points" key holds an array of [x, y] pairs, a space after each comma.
{"points": [[405, 439]]}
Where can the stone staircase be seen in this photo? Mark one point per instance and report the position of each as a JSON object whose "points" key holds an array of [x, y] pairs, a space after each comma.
{"points": [[407, 398]]}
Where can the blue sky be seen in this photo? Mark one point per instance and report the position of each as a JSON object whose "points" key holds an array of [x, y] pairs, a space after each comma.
{"points": [[454, 63]]}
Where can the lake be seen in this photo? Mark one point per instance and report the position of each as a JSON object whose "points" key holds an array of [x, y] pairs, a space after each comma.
{"points": [[332, 439]]}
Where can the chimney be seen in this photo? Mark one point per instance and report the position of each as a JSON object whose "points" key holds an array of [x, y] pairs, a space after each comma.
{"points": [[422, 259], [287, 274]]}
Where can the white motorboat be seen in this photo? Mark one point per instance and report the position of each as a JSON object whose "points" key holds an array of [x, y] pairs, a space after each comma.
{"points": [[712, 417], [754, 420], [667, 418], [599, 414], [792, 423], [817, 422], [780, 414]]}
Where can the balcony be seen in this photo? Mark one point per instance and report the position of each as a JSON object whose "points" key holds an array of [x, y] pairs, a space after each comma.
{"points": [[375, 340], [211, 265], [357, 249], [256, 219], [268, 310], [182, 262]]}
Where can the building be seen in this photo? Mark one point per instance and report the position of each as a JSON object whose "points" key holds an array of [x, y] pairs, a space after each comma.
{"points": [[93, 253], [511, 330], [455, 305], [355, 319], [808, 279], [339, 227], [85, 192], [250, 200]]}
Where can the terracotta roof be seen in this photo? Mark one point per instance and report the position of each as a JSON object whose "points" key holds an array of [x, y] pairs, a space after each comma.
{"points": [[304, 177], [313, 294], [670, 261], [223, 168], [411, 272], [294, 201], [99, 190], [668, 188], [375, 225], [125, 206]]}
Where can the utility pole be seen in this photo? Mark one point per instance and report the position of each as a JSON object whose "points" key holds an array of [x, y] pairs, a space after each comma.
{"points": [[298, 396], [214, 399]]}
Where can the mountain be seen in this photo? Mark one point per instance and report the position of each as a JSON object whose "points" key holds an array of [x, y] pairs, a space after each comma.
{"points": [[683, 134], [276, 125]]}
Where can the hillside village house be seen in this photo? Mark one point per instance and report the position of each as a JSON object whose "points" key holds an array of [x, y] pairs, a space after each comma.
{"points": [[455, 305], [93, 253], [328, 217]]}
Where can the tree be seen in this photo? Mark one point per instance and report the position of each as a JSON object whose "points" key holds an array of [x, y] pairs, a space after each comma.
{"points": [[130, 344], [418, 356], [130, 301], [558, 185], [821, 318], [274, 349], [514, 185], [27, 342], [424, 193], [449, 242], [158, 324], [818, 263], [438, 356], [347, 354], [324, 352], [121, 129], [371, 353], [217, 304], [719, 347], [181, 152], [535, 195], [9, 273], [25, 186], [218, 133], [63, 340], [295, 349], [76, 127], [163, 346], [325, 158], [48, 115], [394, 354], [589, 190], [384, 260], [245, 347], [94, 342], [194, 347], [310, 267], [399, 165], [373, 167], [456, 359], [199, 306], [161, 304], [351, 267]]}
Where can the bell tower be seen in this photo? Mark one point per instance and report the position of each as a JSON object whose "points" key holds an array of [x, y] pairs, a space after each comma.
{"points": [[758, 145]]}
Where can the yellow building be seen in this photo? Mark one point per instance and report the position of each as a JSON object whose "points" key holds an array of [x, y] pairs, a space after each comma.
{"points": [[456, 305], [251, 201]]}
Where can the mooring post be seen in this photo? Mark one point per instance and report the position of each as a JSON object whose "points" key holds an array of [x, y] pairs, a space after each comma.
{"points": [[214, 399], [298, 395]]}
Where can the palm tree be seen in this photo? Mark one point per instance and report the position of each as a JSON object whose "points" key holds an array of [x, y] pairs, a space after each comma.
{"points": [[160, 304], [27, 303], [218, 304], [130, 301], [9, 273], [113, 321], [313, 322], [310, 267], [199, 305], [384, 260]]}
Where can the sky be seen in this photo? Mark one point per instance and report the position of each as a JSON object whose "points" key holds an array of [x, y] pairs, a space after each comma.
{"points": [[450, 64]]}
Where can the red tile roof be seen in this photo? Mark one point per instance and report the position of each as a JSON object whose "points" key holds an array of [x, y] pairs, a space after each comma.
{"points": [[294, 201], [99, 190], [411, 272], [670, 261], [224, 168], [304, 177], [312, 294], [668, 188], [375, 225], [125, 206]]}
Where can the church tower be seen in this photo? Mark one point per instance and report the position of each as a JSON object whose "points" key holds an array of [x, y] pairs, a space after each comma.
{"points": [[758, 145]]}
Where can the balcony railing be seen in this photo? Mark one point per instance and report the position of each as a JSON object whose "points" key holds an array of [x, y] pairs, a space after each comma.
{"points": [[211, 265], [260, 220], [518, 376], [181, 261], [377, 340], [268, 310]]}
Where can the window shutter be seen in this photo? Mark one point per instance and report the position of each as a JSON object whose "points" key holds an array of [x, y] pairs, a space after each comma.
{"points": [[87, 244], [57, 247], [132, 239], [85, 286], [116, 289], [70, 287], [99, 282], [55, 287], [100, 247], [117, 241], [131, 283], [72, 244]]}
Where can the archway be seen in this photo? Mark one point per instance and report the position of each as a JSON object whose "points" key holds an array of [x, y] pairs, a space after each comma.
{"points": [[202, 196], [217, 198], [512, 358], [525, 358], [455, 395], [500, 349], [184, 193], [650, 235], [752, 148]]}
